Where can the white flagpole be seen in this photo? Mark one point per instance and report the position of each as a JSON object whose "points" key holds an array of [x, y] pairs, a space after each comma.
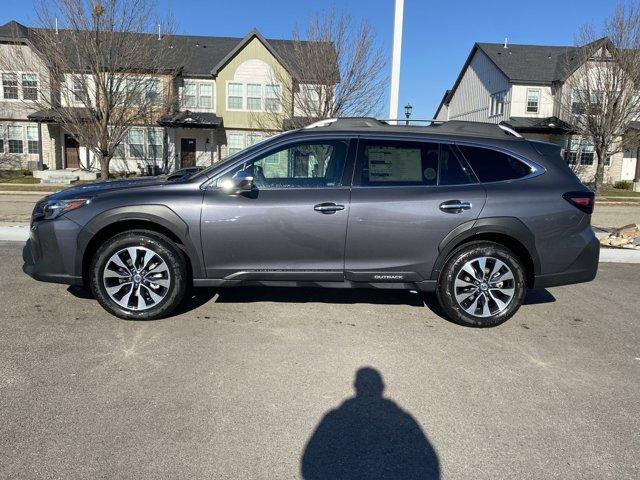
{"points": [[395, 60]]}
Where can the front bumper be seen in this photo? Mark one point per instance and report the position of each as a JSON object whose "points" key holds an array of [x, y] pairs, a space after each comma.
{"points": [[49, 254]]}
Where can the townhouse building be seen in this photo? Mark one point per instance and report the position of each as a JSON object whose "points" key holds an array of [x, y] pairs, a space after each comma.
{"points": [[525, 87], [226, 94]]}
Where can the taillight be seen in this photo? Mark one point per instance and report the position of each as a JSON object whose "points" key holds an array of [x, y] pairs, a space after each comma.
{"points": [[583, 201]]}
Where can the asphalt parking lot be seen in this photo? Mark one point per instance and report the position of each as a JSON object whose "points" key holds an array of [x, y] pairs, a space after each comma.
{"points": [[259, 383]]}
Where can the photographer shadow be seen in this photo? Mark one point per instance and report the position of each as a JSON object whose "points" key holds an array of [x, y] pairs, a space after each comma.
{"points": [[369, 437]]}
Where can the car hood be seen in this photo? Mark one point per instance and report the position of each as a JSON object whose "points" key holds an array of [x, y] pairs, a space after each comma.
{"points": [[90, 190]]}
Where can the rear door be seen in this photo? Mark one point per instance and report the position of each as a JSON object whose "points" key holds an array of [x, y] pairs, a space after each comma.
{"points": [[407, 196]]}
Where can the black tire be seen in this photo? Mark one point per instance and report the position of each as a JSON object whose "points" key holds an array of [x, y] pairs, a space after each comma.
{"points": [[474, 252], [175, 276]]}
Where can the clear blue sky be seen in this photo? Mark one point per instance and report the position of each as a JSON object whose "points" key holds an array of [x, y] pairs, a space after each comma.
{"points": [[438, 34]]}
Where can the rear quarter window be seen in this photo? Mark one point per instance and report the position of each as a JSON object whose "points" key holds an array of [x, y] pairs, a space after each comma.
{"points": [[493, 166]]}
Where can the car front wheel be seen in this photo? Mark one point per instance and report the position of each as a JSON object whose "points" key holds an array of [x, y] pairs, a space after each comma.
{"points": [[138, 275], [481, 285]]}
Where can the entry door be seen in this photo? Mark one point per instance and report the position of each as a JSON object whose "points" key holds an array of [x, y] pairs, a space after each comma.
{"points": [[292, 226], [403, 205], [71, 152], [187, 152]]}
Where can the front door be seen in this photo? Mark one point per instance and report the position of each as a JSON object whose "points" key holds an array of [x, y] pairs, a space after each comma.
{"points": [[187, 152], [292, 226], [71, 152], [403, 204]]}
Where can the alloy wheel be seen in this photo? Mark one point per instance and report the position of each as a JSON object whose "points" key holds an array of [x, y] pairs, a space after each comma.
{"points": [[136, 278], [484, 286]]}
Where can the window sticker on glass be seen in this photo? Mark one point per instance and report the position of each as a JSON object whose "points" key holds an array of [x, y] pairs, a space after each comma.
{"points": [[430, 174], [390, 164]]}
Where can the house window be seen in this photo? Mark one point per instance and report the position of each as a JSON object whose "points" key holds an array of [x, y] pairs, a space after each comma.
{"points": [[152, 92], [155, 143], [33, 145], [134, 92], [118, 151], [197, 95], [80, 90], [253, 138], [272, 98], [14, 135], [312, 99], [10, 86], [136, 143], [254, 97], [190, 95], [581, 152], [234, 98], [235, 143], [29, 86], [497, 103], [205, 100], [1, 139], [533, 101]]}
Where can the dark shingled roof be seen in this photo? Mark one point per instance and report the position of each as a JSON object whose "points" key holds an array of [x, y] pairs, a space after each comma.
{"points": [[187, 118], [196, 54], [542, 125], [536, 63]]}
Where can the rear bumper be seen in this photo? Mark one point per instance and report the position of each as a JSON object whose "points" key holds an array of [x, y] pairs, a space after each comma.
{"points": [[583, 269], [49, 254]]}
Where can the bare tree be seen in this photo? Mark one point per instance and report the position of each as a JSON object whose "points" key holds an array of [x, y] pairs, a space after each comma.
{"points": [[109, 69], [339, 70], [601, 96]]}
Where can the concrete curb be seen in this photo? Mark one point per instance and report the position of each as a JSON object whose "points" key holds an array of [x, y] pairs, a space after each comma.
{"points": [[619, 255], [29, 192], [14, 233], [607, 255]]}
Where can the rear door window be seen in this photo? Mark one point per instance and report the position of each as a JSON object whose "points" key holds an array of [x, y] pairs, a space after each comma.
{"points": [[409, 163], [493, 166]]}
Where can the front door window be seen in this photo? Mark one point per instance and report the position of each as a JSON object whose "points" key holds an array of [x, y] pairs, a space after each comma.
{"points": [[302, 165]]}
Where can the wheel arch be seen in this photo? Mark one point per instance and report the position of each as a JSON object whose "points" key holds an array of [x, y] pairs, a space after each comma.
{"points": [[156, 218], [507, 231]]}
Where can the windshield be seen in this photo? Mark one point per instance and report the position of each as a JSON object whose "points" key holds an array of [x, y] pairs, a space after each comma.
{"points": [[207, 171]]}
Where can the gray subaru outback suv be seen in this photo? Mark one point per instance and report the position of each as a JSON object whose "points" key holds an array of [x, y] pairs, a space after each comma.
{"points": [[472, 212]]}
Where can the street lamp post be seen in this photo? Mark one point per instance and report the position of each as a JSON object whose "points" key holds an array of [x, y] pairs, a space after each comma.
{"points": [[407, 112]]}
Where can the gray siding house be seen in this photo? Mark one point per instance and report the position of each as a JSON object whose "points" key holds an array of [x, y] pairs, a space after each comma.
{"points": [[521, 86]]}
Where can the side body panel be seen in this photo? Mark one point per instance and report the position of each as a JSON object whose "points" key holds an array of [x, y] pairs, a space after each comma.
{"points": [[398, 229]]}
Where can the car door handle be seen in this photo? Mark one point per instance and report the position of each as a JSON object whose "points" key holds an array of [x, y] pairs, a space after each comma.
{"points": [[455, 206], [328, 207]]}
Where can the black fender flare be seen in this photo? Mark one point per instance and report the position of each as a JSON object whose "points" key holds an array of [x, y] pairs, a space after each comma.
{"points": [[508, 226], [154, 213]]}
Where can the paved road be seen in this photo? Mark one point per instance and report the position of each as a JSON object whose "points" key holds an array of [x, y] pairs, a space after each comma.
{"points": [[258, 383], [16, 209]]}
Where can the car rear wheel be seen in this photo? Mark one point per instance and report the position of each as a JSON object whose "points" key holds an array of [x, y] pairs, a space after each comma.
{"points": [[138, 275], [482, 285]]}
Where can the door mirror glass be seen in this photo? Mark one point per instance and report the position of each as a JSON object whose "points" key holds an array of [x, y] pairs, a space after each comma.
{"points": [[241, 181]]}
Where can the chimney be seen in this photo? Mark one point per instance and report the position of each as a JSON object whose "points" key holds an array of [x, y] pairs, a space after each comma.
{"points": [[159, 33], [56, 25], [505, 43]]}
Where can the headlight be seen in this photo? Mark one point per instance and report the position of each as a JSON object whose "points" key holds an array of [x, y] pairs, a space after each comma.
{"points": [[54, 208]]}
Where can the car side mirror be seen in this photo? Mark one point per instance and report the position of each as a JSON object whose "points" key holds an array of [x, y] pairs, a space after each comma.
{"points": [[241, 181]]}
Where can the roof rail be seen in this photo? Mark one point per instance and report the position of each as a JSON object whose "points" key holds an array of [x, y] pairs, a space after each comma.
{"points": [[322, 123], [454, 127], [509, 130]]}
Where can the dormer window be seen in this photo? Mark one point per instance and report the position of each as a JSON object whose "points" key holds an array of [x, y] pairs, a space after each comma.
{"points": [[533, 100]]}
